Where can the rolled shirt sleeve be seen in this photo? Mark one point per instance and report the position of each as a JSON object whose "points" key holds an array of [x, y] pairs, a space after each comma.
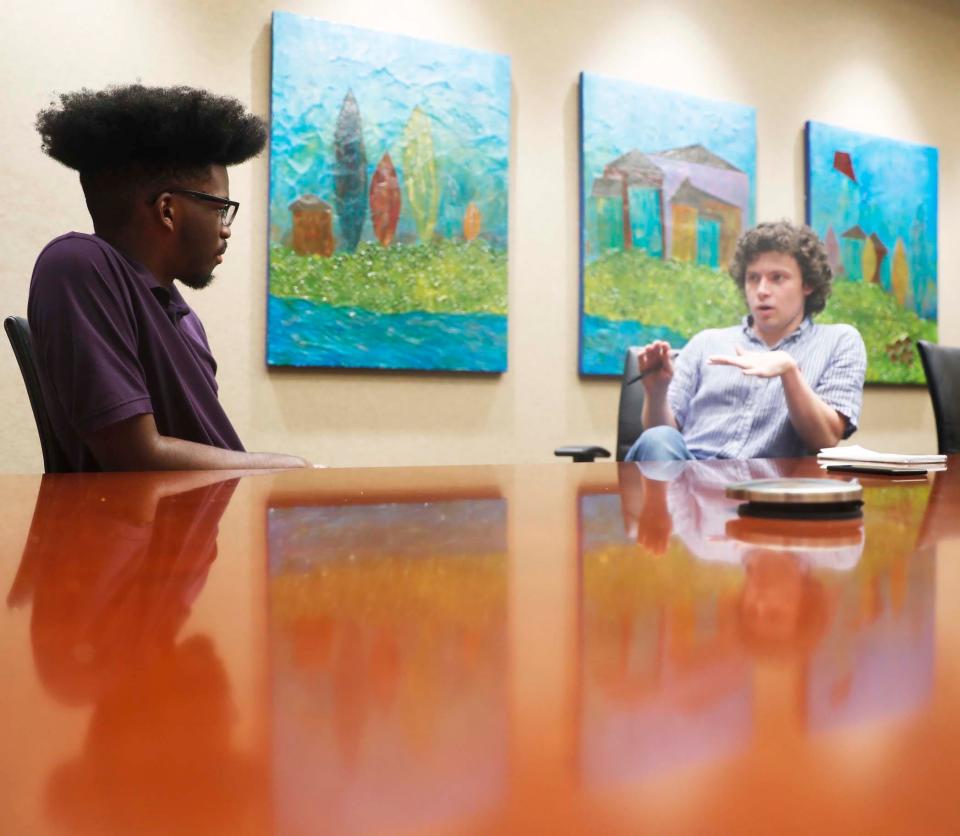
{"points": [[840, 385]]}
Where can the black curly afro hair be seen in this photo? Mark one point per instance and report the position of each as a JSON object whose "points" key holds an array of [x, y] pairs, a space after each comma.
{"points": [[152, 129]]}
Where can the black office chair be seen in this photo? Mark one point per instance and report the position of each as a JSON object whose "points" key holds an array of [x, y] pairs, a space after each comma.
{"points": [[18, 331], [629, 416], [941, 365]]}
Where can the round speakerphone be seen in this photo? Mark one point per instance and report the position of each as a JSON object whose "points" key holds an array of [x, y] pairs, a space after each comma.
{"points": [[810, 499]]}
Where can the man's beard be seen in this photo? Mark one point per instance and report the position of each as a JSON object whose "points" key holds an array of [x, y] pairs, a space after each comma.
{"points": [[197, 282]]}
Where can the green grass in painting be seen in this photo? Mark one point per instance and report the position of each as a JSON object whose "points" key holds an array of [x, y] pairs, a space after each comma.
{"points": [[688, 298], [684, 297], [886, 328], [441, 277]]}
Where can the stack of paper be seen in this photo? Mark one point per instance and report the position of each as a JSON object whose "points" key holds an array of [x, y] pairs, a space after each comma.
{"points": [[864, 459]]}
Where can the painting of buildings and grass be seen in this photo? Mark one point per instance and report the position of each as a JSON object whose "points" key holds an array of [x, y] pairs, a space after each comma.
{"points": [[874, 202], [667, 185], [388, 201]]}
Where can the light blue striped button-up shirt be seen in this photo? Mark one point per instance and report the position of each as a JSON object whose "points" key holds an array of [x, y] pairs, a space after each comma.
{"points": [[726, 414]]}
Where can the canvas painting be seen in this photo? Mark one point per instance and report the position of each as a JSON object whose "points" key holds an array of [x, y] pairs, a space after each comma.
{"points": [[874, 203], [667, 185], [388, 201]]}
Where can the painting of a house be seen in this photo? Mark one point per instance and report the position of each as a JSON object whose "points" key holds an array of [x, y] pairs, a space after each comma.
{"points": [[686, 204], [667, 187], [873, 200]]}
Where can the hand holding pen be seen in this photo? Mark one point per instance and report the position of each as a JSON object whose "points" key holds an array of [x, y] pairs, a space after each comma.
{"points": [[655, 362]]}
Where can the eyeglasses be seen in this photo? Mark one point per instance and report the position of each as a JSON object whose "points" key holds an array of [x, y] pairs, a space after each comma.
{"points": [[228, 208]]}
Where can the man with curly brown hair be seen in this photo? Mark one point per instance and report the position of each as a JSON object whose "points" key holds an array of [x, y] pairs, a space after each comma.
{"points": [[777, 384], [127, 374]]}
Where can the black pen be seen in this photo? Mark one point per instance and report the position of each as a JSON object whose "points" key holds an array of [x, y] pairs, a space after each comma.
{"points": [[673, 354]]}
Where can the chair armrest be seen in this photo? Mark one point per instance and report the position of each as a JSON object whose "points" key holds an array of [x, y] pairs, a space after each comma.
{"points": [[583, 453]]}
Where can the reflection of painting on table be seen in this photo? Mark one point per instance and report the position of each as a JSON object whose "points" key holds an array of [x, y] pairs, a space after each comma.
{"points": [[665, 685], [685, 604], [388, 201], [388, 646], [874, 202], [667, 185], [877, 659]]}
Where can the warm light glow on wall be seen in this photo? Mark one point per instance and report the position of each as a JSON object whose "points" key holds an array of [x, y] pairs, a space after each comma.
{"points": [[662, 46], [862, 94]]}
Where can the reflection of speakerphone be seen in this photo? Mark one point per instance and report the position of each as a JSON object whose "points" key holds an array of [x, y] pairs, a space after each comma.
{"points": [[804, 535], [817, 499]]}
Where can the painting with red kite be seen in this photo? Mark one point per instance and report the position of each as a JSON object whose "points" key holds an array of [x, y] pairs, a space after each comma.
{"points": [[873, 201]]}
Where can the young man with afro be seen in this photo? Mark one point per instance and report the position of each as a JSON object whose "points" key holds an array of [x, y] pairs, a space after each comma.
{"points": [[127, 374], [775, 385]]}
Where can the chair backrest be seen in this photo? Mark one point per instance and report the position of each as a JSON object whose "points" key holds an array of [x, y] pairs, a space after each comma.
{"points": [[630, 413], [941, 364], [18, 332]]}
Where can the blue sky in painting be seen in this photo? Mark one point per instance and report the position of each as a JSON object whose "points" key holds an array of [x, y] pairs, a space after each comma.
{"points": [[620, 116], [895, 196], [465, 93]]}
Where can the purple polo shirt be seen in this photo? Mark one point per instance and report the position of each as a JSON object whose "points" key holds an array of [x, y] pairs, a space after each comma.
{"points": [[112, 343]]}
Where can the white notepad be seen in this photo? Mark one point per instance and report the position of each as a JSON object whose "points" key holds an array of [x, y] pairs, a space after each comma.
{"points": [[856, 453]]}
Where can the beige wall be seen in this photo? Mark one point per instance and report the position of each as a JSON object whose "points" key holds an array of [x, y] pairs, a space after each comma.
{"points": [[881, 66]]}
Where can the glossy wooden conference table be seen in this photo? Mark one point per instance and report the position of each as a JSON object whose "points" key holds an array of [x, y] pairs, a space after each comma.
{"points": [[530, 649]]}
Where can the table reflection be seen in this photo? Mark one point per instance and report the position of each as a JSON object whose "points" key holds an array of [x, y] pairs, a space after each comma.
{"points": [[111, 573], [684, 604], [876, 659], [389, 663]]}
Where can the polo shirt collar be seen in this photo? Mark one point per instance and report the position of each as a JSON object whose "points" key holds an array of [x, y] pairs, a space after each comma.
{"points": [[172, 302], [793, 336]]}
